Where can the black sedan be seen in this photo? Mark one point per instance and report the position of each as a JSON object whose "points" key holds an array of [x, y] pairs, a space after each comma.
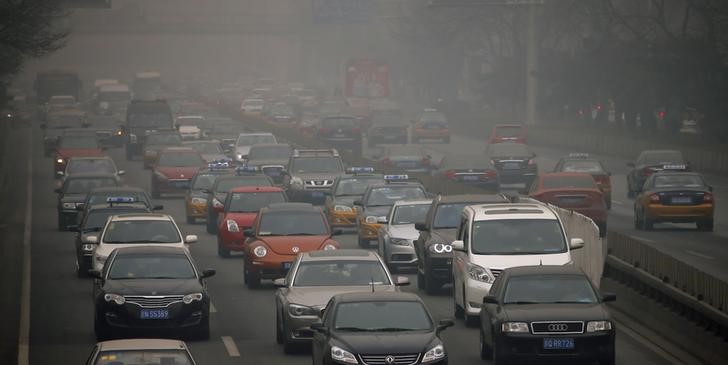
{"points": [[378, 328], [148, 289], [515, 162], [72, 194], [546, 312]]}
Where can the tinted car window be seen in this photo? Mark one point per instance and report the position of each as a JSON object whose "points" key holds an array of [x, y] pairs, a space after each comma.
{"points": [[578, 182], [78, 142], [591, 167], [356, 185], [256, 139], [549, 289], [141, 231], [83, 186], [177, 159], [292, 224], [410, 214], [660, 157], [338, 123], [76, 166], [517, 237], [448, 215], [203, 181], [253, 202], [385, 196], [670, 181], [269, 152], [508, 149], [96, 219], [340, 273], [382, 315], [151, 267], [514, 131]]}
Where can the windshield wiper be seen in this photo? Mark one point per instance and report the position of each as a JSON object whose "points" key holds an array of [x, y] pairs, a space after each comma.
{"points": [[522, 302], [352, 329], [389, 329]]}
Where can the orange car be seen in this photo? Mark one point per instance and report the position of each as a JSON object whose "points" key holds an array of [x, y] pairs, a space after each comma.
{"points": [[280, 232], [678, 197], [575, 191], [431, 124], [581, 162]]}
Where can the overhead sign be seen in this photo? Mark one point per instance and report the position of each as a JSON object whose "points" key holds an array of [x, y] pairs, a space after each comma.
{"points": [[342, 11]]}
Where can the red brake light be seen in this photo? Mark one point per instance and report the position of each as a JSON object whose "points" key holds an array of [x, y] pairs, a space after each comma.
{"points": [[490, 173], [599, 107], [654, 198], [707, 198], [450, 174], [661, 114]]}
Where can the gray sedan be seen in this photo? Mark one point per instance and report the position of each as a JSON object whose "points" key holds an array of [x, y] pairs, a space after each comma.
{"points": [[396, 237]]}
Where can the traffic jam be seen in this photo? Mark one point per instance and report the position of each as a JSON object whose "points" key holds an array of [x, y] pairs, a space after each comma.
{"points": [[129, 196]]}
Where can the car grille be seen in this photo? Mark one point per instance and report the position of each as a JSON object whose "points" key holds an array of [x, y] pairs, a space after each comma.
{"points": [[153, 301], [563, 327], [406, 359], [319, 183]]}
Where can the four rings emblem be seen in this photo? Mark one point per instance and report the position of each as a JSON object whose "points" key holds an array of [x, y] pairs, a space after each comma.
{"points": [[389, 359], [558, 327]]}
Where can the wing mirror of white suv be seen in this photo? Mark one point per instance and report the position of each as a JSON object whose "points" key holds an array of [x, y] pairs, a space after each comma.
{"points": [[576, 243], [458, 245], [191, 238]]}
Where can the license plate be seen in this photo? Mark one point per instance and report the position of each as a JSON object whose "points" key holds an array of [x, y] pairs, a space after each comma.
{"points": [[317, 194], [471, 178], [681, 200], [154, 314], [286, 265], [511, 166], [558, 344]]}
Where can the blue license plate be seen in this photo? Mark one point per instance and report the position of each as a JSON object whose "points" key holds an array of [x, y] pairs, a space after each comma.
{"points": [[286, 265], [471, 178], [154, 314], [682, 200], [558, 344], [511, 166], [317, 194]]}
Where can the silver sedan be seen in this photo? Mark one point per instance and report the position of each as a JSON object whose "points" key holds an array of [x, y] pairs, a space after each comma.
{"points": [[396, 237]]}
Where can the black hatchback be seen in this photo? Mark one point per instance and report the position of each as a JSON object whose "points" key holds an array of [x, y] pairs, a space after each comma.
{"points": [[378, 328]]}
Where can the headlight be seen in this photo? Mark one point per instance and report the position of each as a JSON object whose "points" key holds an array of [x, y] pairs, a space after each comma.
{"points": [[296, 182], [598, 326], [199, 201], [216, 203], [343, 208], [435, 353], [329, 247], [399, 241], [339, 354], [297, 310], [87, 247], [260, 251], [100, 259], [239, 156], [194, 297], [69, 205], [370, 219], [440, 248], [232, 226], [59, 160], [514, 327], [116, 298], [480, 273]]}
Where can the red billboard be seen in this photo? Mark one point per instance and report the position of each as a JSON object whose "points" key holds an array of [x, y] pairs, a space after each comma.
{"points": [[367, 78]]}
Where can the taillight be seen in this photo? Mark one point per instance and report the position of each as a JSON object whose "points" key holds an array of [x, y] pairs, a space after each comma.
{"points": [[450, 174], [531, 162], [661, 114], [602, 180], [707, 198], [490, 173], [654, 198]]}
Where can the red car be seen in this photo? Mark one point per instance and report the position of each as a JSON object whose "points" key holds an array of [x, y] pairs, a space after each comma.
{"points": [[174, 169], [280, 232], [576, 191], [81, 145], [239, 212], [508, 133]]}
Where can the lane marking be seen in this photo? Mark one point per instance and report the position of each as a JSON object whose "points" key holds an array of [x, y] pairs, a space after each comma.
{"points": [[212, 308], [643, 239], [644, 341], [24, 331], [701, 255], [230, 346]]}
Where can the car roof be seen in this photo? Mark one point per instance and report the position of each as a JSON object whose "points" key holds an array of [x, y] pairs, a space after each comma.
{"points": [[540, 270], [254, 189], [111, 189], [379, 296], [142, 344], [474, 198], [342, 254], [144, 250], [511, 211], [142, 216]]}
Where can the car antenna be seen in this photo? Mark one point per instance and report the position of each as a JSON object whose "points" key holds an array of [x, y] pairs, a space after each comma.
{"points": [[540, 262]]}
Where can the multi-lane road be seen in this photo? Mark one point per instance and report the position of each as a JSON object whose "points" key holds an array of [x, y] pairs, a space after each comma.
{"points": [[242, 325]]}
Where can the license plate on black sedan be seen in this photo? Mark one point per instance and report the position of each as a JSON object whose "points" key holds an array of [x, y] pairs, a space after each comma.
{"points": [[286, 266], [558, 343], [471, 178], [154, 314]]}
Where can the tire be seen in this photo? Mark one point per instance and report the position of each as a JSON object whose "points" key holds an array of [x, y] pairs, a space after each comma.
{"points": [[486, 353], [647, 223], [288, 346], [602, 229], [211, 225], [458, 311], [706, 225], [252, 280], [431, 285], [279, 331], [498, 357], [222, 251], [102, 331]]}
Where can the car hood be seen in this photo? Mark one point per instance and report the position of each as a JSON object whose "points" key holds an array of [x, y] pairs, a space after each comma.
{"points": [[79, 152], [209, 157], [181, 172], [318, 176], [445, 235], [377, 211], [153, 286], [268, 161], [407, 231], [283, 245], [318, 296], [346, 200], [555, 312], [385, 342], [244, 220], [501, 262]]}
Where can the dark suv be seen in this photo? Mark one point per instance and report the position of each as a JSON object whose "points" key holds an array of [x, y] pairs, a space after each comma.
{"points": [[433, 249], [342, 132]]}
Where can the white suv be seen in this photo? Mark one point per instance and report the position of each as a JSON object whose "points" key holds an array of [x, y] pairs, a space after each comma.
{"points": [[494, 237]]}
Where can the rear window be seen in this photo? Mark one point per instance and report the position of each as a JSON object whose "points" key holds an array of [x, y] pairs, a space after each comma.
{"points": [[590, 167], [224, 185], [577, 182], [510, 131], [338, 122], [253, 202]]}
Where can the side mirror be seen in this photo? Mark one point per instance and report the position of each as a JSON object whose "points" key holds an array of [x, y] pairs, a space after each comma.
{"points": [[358, 202], [158, 207], [609, 297], [420, 226], [190, 238], [208, 273], [320, 328], [248, 232], [402, 281], [382, 220], [280, 282], [219, 208], [576, 243], [91, 239], [96, 274], [490, 299], [337, 232], [630, 164], [458, 245], [121, 172], [58, 190], [444, 323]]}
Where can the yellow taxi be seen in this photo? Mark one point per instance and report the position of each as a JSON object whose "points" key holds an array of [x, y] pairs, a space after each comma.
{"points": [[339, 206], [196, 195], [675, 197]]}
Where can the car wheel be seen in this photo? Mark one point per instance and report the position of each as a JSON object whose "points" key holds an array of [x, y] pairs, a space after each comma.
{"points": [[498, 356], [279, 331], [211, 225], [252, 279], [602, 229], [458, 310], [486, 353], [222, 251], [706, 225], [288, 346], [431, 285], [102, 331], [202, 331]]}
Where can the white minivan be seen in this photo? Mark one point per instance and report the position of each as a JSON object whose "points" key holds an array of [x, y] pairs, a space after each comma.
{"points": [[495, 237]]}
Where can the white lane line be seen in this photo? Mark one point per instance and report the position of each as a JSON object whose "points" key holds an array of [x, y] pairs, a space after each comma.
{"points": [[643, 239], [212, 308], [701, 255], [24, 331], [230, 346], [644, 341]]}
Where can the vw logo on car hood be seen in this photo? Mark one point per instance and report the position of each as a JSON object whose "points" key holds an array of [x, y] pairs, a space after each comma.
{"points": [[295, 249]]}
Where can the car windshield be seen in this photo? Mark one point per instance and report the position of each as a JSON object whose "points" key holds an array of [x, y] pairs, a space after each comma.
{"points": [[141, 231], [177, 159], [549, 289], [254, 201], [85, 185], [203, 181], [340, 273], [102, 165], [448, 215], [674, 181], [660, 158], [508, 150], [386, 196], [565, 182], [114, 96], [517, 237], [465, 162], [338, 123], [508, 131], [150, 119], [65, 121], [382, 316], [164, 139], [151, 267], [96, 219], [80, 142], [292, 223], [409, 213], [206, 148], [316, 165], [282, 151], [250, 140], [590, 167], [434, 118], [142, 357], [100, 197], [224, 185], [357, 185]]}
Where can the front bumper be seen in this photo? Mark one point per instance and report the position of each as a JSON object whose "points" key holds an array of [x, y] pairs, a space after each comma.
{"points": [[128, 317], [313, 196], [474, 292], [233, 241], [399, 254], [299, 328], [439, 268], [341, 219], [679, 213], [196, 210], [271, 266], [591, 346]]}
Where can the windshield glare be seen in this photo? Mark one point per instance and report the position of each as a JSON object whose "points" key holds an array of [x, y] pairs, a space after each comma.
{"points": [[269, 152], [509, 150], [574, 182], [253, 202], [386, 196], [549, 289], [517, 237], [141, 231], [340, 273], [381, 315], [151, 267], [670, 181], [90, 165], [174, 357], [410, 214], [177, 159], [292, 224], [591, 167], [316, 164], [79, 142], [96, 219], [85, 185], [356, 186]]}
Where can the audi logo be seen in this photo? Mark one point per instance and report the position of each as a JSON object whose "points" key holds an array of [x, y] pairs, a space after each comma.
{"points": [[558, 327], [389, 359]]}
